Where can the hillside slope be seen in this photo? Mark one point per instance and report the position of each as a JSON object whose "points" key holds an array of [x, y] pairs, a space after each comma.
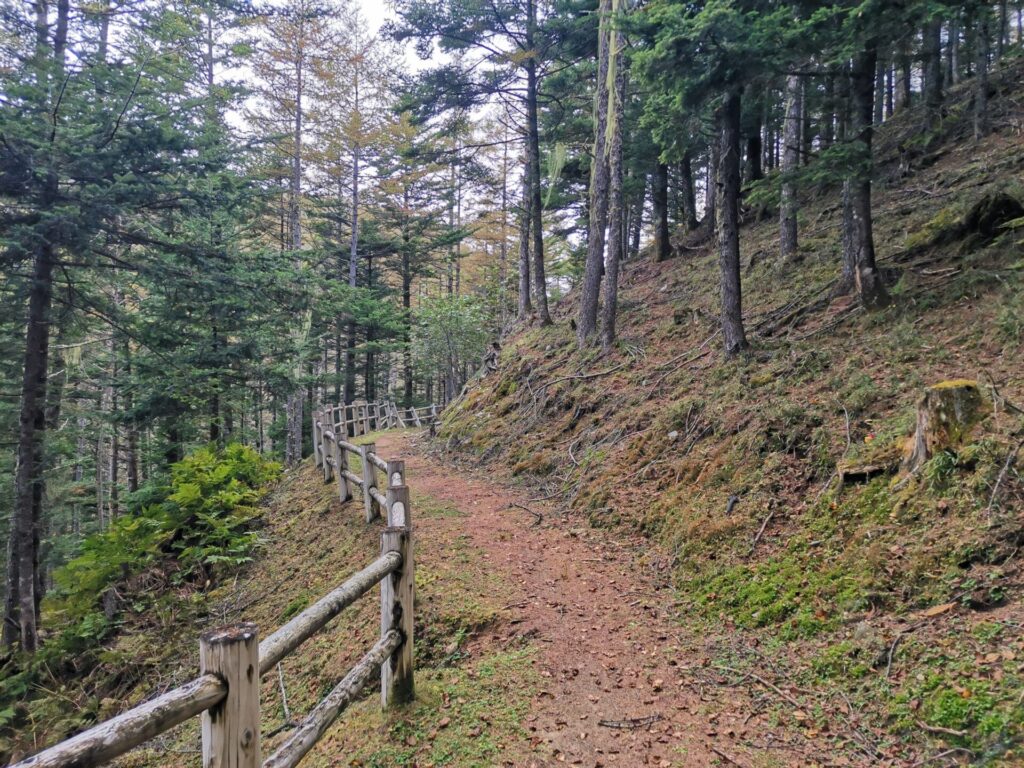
{"points": [[896, 601]]}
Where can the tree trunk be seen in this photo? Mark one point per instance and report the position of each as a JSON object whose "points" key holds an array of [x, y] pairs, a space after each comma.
{"points": [[981, 125], [903, 82], [616, 223], [293, 406], [20, 619], [659, 212], [879, 113], [828, 113], [23, 593], [1003, 38], [503, 248], [406, 304], [861, 238], [790, 161], [889, 90], [533, 140], [932, 64], [728, 221], [953, 48], [593, 268], [711, 185], [636, 221], [755, 171], [525, 219], [687, 191]]}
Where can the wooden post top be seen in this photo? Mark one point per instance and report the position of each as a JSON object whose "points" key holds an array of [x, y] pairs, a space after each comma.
{"points": [[232, 633]]}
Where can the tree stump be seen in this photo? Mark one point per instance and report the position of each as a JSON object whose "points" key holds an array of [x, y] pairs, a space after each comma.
{"points": [[946, 414]]}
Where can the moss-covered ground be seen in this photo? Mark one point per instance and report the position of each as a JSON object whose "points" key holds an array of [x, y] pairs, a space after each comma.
{"points": [[894, 600]]}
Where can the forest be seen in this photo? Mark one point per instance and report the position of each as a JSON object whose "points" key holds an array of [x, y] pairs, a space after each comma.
{"points": [[219, 216]]}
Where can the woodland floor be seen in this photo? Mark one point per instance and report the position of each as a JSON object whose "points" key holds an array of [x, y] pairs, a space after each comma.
{"points": [[615, 679]]}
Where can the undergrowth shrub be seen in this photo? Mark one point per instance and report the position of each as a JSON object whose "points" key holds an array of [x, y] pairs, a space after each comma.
{"points": [[199, 520], [177, 533]]}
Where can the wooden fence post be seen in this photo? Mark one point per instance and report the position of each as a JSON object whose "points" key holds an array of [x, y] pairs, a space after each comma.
{"points": [[396, 477], [369, 481], [397, 597], [324, 441], [231, 730], [340, 465], [317, 452]]}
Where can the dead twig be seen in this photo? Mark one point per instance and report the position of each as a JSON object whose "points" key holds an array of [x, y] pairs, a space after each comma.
{"points": [[611, 370], [941, 755], [690, 355], [765, 683], [939, 729], [632, 723], [895, 643], [728, 758], [284, 694], [1010, 459], [760, 532], [538, 515]]}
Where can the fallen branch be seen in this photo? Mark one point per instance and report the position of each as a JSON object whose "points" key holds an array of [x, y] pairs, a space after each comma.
{"points": [[939, 729], [941, 755], [1012, 457], [693, 355], [896, 642], [538, 515], [760, 533], [728, 758], [547, 384], [765, 683], [632, 723]]}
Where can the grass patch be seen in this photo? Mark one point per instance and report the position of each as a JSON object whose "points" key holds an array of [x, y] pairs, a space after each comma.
{"points": [[470, 716]]}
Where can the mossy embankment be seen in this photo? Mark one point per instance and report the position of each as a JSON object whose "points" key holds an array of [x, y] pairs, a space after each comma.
{"points": [[471, 695], [894, 600], [472, 692]]}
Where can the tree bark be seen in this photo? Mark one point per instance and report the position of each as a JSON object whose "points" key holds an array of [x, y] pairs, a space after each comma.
{"points": [[932, 64], [687, 191], [525, 219], [533, 140], [981, 124], [828, 113], [728, 221], [755, 171], [293, 406], [711, 185], [616, 223], [1003, 38], [593, 268], [866, 277], [879, 109], [659, 212], [23, 585], [903, 81], [790, 162], [353, 258]]}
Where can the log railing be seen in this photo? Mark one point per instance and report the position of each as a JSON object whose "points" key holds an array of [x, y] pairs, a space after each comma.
{"points": [[226, 692], [357, 419]]}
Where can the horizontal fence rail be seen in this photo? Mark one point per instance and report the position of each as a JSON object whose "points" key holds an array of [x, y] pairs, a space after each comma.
{"points": [[226, 693]]}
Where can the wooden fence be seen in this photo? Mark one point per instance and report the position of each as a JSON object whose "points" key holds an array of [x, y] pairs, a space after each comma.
{"points": [[232, 659], [362, 418]]}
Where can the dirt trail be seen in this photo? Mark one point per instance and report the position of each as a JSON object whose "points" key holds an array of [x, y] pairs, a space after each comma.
{"points": [[607, 650]]}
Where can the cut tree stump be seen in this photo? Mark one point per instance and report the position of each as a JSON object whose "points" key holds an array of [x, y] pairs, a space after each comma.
{"points": [[946, 414]]}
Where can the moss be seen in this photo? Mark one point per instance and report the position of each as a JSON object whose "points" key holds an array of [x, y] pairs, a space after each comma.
{"points": [[799, 593], [472, 716], [845, 660]]}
